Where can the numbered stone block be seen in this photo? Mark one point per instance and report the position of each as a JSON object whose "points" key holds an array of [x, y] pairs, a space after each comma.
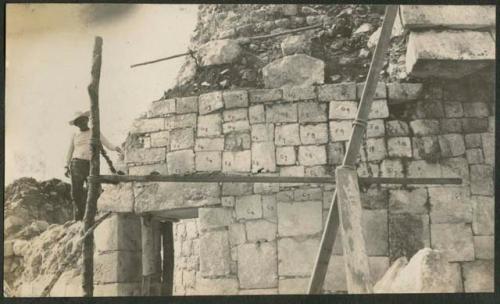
{"points": [[343, 109], [314, 134], [375, 128], [282, 113], [399, 147], [235, 115], [262, 132], [209, 144], [248, 207], [187, 105], [236, 161], [209, 125], [210, 102], [285, 155], [340, 130], [181, 139], [180, 162], [256, 114], [312, 155], [263, 157], [397, 128], [342, 91], [208, 161], [287, 135], [235, 99]]}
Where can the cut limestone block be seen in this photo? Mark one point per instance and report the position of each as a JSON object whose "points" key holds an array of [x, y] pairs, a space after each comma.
{"points": [[448, 16], [427, 272], [117, 198], [454, 240], [214, 253], [448, 54], [294, 70], [258, 265], [478, 276], [296, 257], [299, 218], [408, 233]]}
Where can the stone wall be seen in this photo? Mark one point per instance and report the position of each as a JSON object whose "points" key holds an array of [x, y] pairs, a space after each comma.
{"points": [[262, 238]]}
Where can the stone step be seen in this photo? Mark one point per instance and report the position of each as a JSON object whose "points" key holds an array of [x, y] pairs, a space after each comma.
{"points": [[447, 16], [448, 54]]}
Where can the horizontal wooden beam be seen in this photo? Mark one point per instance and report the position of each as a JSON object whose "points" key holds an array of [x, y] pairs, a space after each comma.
{"points": [[217, 178]]}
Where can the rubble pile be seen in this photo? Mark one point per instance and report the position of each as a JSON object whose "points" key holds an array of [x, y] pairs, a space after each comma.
{"points": [[39, 233], [344, 43]]}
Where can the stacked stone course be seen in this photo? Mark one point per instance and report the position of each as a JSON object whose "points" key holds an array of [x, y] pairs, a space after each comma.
{"points": [[262, 238]]}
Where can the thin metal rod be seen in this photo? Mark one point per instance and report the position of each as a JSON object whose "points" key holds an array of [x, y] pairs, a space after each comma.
{"points": [[331, 226], [161, 59], [112, 179]]}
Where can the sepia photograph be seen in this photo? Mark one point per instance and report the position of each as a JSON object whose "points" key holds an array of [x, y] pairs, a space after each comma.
{"points": [[248, 149]]}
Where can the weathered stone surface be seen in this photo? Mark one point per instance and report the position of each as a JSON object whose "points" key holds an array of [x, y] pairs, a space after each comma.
{"points": [[451, 125], [217, 52], [372, 197], [451, 145], [180, 162], [208, 161], [147, 125], [145, 156], [216, 286], [299, 218], [448, 54], [257, 265], [235, 126], [402, 92], [235, 115], [476, 109], [209, 125], [263, 157], [449, 205], [117, 267], [163, 196], [340, 130], [312, 112], [335, 153], [427, 272], [161, 107], [448, 16], [399, 147], [181, 139], [119, 232], [373, 150], [265, 95], [180, 121], [237, 234], [294, 70], [282, 113], [455, 240], [312, 155], [248, 207], [380, 91], [236, 189], [299, 93], [426, 147], [210, 218], [235, 99], [261, 230], [313, 194], [187, 104], [481, 179], [214, 253], [343, 109], [408, 201], [484, 247], [488, 141], [295, 257], [256, 114], [210, 102], [479, 276], [296, 44], [483, 217], [269, 207], [375, 128], [422, 168], [375, 231], [209, 144], [391, 168], [117, 198], [262, 132], [293, 286], [314, 134], [160, 139], [379, 109], [287, 135], [422, 127], [335, 280], [474, 156], [285, 156], [473, 141], [408, 233], [237, 141], [339, 92], [453, 109], [236, 161], [474, 125]]}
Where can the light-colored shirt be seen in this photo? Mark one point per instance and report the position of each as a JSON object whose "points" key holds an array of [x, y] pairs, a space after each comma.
{"points": [[79, 146]]}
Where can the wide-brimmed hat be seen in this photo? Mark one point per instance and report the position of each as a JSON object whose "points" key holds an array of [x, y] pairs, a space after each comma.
{"points": [[77, 115]]}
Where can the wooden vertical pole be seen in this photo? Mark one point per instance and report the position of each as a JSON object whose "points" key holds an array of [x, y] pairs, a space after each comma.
{"points": [[168, 259], [151, 256], [94, 186], [355, 258], [332, 222]]}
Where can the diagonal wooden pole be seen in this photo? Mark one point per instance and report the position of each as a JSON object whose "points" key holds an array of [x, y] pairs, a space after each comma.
{"points": [[332, 223], [94, 185]]}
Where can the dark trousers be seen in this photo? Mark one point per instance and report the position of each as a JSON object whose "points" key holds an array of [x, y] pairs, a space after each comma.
{"points": [[80, 170]]}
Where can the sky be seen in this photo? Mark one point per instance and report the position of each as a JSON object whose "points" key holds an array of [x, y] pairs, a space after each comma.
{"points": [[48, 60]]}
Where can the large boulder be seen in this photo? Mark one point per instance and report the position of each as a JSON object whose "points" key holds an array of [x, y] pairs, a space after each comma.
{"points": [[427, 272], [294, 70], [217, 52]]}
